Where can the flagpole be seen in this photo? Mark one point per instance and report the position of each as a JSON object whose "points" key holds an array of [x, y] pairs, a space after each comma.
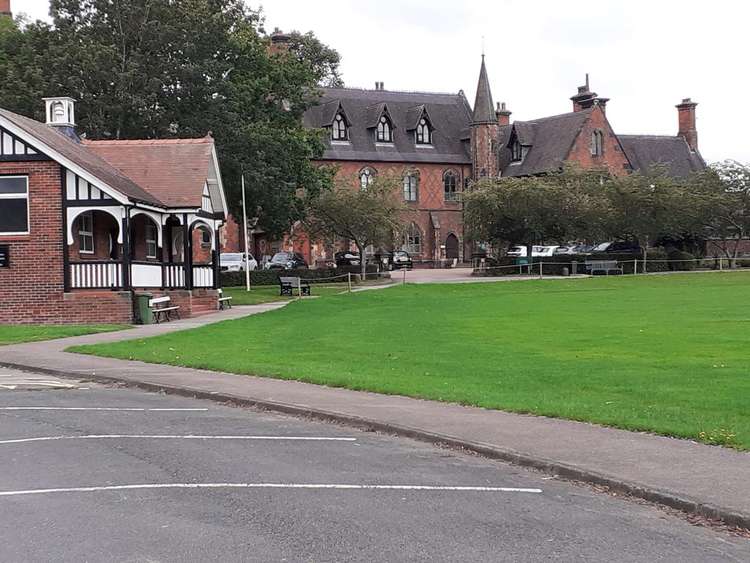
{"points": [[247, 242]]}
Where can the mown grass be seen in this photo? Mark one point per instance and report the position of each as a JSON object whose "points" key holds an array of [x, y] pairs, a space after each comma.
{"points": [[15, 334], [667, 354], [270, 293]]}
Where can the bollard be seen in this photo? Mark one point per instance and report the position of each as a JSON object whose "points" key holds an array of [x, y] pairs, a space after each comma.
{"points": [[540, 270], [404, 271], [349, 276], [635, 266]]}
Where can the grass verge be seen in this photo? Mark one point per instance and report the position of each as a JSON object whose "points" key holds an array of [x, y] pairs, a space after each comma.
{"points": [[666, 354], [15, 334]]}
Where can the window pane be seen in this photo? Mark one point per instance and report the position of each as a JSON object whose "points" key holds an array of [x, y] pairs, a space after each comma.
{"points": [[12, 185], [13, 216]]}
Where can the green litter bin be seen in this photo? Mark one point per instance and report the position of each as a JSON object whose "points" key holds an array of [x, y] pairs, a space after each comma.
{"points": [[143, 313]]}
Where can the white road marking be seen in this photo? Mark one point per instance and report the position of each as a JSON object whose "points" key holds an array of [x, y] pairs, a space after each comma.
{"points": [[267, 486], [176, 437], [125, 409]]}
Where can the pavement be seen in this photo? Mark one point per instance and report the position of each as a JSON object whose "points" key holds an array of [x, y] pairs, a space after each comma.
{"points": [[699, 479], [95, 473]]}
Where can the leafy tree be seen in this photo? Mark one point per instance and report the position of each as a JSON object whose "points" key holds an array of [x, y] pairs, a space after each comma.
{"points": [[373, 216], [159, 68]]}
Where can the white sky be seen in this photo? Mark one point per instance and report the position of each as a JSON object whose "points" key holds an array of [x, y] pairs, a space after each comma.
{"points": [[646, 55]]}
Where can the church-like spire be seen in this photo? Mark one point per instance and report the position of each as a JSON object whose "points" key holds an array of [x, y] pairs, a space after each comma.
{"points": [[484, 108]]}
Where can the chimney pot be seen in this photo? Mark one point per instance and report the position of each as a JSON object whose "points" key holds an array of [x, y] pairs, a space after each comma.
{"points": [[503, 114], [686, 123]]}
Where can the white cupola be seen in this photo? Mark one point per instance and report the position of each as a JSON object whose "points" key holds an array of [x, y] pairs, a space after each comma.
{"points": [[61, 114]]}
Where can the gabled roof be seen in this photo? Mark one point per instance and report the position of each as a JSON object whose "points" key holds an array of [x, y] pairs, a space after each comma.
{"points": [[173, 170], [484, 107], [646, 151], [78, 154], [550, 140], [449, 114]]}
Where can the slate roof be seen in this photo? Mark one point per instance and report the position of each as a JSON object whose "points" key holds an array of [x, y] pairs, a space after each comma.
{"points": [[83, 157], [550, 140], [173, 170], [450, 116], [645, 151]]}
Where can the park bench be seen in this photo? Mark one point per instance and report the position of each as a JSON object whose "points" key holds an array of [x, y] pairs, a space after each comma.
{"points": [[605, 267], [288, 285], [162, 309], [224, 302]]}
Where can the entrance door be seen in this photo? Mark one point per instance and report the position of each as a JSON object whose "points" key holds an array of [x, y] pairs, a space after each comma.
{"points": [[451, 247]]}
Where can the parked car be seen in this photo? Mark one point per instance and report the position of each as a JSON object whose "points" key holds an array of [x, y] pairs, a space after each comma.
{"points": [[347, 258], [602, 247], [625, 247], [235, 262], [400, 259], [537, 251], [286, 261]]}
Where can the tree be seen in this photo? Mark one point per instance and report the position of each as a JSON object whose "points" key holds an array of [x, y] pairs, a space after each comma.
{"points": [[159, 68], [373, 216]]}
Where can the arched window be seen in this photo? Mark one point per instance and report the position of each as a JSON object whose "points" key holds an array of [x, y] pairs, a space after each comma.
{"points": [[413, 240], [339, 131], [385, 130], [516, 151], [450, 186], [424, 132], [597, 143], [411, 186], [366, 176]]}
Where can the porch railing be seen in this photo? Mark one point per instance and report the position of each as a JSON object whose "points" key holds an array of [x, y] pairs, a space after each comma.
{"points": [[96, 275], [173, 275], [203, 275]]}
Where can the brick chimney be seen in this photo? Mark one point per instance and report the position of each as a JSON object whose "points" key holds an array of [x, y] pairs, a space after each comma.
{"points": [[503, 114], [585, 98], [279, 41], [686, 122], [5, 8]]}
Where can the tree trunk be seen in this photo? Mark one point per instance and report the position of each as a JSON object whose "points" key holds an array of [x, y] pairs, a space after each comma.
{"points": [[362, 262]]}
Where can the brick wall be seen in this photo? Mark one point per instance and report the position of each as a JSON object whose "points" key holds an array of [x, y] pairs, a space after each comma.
{"points": [[613, 158]]}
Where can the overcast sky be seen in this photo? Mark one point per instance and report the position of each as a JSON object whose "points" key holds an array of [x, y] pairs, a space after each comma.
{"points": [[646, 55]]}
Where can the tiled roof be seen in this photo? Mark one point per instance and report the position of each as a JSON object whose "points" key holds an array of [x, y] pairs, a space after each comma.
{"points": [[550, 140], [173, 170], [645, 151], [83, 157], [449, 114]]}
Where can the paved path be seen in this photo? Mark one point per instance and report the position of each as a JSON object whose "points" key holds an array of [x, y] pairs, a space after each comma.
{"points": [[695, 477], [121, 475], [458, 275]]}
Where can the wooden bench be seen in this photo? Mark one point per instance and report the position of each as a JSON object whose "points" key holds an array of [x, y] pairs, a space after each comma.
{"points": [[224, 302], [603, 267], [288, 285], [162, 309]]}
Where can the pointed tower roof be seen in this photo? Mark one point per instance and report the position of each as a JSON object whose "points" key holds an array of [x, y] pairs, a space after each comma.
{"points": [[484, 108]]}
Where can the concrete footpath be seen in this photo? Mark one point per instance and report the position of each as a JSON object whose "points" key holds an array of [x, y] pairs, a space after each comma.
{"points": [[706, 480]]}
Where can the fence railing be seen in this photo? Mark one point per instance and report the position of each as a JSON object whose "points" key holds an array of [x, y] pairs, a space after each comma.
{"points": [[203, 275], [108, 274], [96, 275]]}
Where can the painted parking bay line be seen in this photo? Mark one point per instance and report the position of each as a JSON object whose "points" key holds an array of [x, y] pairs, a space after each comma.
{"points": [[308, 486], [123, 409], [177, 437]]}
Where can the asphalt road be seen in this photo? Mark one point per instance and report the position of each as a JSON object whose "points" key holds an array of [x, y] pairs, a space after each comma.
{"points": [[63, 469]]}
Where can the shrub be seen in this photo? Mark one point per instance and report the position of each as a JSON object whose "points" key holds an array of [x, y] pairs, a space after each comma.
{"points": [[680, 261]]}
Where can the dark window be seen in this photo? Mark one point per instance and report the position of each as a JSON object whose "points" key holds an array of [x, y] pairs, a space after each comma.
{"points": [[516, 151], [205, 238], [86, 233], [385, 131], [424, 132], [413, 240], [597, 143], [450, 186], [14, 205], [339, 131]]}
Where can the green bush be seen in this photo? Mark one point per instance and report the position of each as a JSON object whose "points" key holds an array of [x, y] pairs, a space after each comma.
{"points": [[678, 261], [271, 277]]}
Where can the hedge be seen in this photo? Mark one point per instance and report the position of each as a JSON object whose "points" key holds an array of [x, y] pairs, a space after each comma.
{"points": [[271, 277]]}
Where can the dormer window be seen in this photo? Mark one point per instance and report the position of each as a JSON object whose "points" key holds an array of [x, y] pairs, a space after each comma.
{"points": [[597, 143], [424, 132], [339, 131], [516, 151], [385, 130]]}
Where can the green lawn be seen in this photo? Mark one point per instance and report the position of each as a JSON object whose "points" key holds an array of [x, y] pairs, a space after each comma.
{"points": [[14, 334], [270, 293], [668, 354]]}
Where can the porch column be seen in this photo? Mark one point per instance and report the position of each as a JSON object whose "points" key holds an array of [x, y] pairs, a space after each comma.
{"points": [[216, 258], [187, 251], [126, 250], [66, 250]]}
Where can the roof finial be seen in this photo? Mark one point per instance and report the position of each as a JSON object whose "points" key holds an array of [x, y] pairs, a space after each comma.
{"points": [[483, 46]]}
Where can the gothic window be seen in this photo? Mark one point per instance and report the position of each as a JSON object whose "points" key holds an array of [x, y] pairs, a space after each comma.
{"points": [[411, 185], [366, 176], [339, 130], [450, 186], [597, 143], [516, 151], [385, 130], [424, 132], [413, 240]]}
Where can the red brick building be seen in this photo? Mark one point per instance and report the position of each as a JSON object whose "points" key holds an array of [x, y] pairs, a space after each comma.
{"points": [[437, 143], [85, 225]]}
